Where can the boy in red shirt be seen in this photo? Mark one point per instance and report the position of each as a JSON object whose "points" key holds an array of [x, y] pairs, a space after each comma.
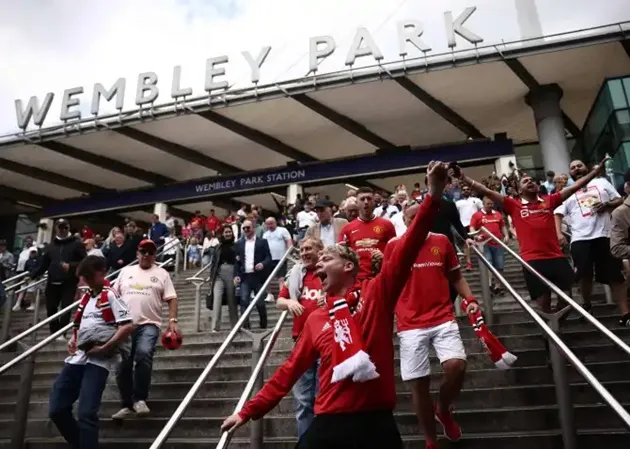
{"points": [[367, 233], [352, 412], [535, 226], [424, 318], [299, 295], [494, 222]]}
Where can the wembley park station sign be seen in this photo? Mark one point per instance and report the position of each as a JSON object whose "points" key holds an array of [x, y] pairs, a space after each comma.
{"points": [[409, 36]]}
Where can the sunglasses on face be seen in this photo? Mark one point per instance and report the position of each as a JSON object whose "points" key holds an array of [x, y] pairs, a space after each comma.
{"points": [[246, 228], [147, 252]]}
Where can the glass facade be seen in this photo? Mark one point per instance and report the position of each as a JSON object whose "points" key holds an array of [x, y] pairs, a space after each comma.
{"points": [[607, 127]]}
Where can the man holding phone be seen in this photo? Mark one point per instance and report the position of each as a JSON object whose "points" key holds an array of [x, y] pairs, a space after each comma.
{"points": [[467, 206]]}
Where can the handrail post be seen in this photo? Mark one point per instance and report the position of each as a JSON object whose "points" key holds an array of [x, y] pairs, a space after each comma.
{"points": [[561, 382], [6, 321], [23, 400], [177, 260], [197, 317], [608, 293], [185, 257], [256, 427]]}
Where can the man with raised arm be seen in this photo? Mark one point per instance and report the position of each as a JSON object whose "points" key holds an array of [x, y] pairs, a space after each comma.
{"points": [[357, 395], [533, 218]]}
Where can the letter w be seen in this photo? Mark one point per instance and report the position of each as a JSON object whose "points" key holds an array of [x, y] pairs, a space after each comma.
{"points": [[33, 110]]}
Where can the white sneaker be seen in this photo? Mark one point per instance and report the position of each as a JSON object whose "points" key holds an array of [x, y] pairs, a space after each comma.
{"points": [[17, 307], [270, 298], [123, 413], [31, 308], [141, 408]]}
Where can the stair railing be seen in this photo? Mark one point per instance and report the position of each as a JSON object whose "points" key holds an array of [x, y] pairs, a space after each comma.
{"points": [[558, 351], [257, 337], [18, 433], [17, 277], [198, 281], [260, 355], [6, 342]]}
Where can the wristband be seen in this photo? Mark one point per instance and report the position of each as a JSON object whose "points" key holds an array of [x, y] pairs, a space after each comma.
{"points": [[468, 301]]}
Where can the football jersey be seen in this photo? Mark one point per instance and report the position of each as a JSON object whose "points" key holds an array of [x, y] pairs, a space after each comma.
{"points": [[366, 236]]}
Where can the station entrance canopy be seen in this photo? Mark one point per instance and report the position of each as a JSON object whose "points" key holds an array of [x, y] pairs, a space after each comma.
{"points": [[431, 101], [386, 163]]}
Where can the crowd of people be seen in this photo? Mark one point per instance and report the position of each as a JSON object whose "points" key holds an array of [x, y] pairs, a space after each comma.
{"points": [[371, 260]]}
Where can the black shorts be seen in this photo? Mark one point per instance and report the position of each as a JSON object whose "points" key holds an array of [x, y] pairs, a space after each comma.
{"points": [[557, 271], [363, 430], [589, 255], [282, 272]]}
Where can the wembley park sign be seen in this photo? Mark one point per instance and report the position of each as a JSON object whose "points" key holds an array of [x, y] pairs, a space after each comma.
{"points": [[147, 91]]}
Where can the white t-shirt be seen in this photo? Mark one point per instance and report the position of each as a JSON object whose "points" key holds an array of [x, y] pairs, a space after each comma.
{"points": [[585, 224], [22, 258], [389, 212], [93, 316], [306, 219], [398, 220], [145, 291], [467, 208], [277, 240]]}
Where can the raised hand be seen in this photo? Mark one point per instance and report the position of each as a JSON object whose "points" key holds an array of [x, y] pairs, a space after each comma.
{"points": [[437, 176]]}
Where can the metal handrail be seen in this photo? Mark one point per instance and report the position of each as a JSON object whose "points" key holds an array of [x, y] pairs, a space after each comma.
{"points": [[14, 278], [553, 336], [226, 436], [594, 321], [199, 282], [181, 409], [53, 317], [46, 341]]}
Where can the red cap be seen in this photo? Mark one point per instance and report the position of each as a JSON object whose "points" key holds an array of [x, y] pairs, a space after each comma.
{"points": [[147, 243]]}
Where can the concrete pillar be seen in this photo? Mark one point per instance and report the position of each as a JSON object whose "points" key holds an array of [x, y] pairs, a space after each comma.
{"points": [[502, 165], [293, 191], [45, 231], [160, 210], [545, 102]]}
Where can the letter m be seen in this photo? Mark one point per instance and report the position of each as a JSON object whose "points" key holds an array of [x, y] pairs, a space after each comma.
{"points": [[33, 110]]}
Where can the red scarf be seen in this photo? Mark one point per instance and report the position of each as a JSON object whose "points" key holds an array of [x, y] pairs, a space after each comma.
{"points": [[102, 304], [500, 356], [349, 356]]}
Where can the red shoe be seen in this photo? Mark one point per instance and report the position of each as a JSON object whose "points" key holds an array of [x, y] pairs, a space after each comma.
{"points": [[452, 431], [469, 267]]}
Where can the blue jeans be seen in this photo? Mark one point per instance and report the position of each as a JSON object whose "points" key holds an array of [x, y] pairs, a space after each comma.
{"points": [[252, 283], [85, 383], [304, 392], [495, 255], [134, 384]]}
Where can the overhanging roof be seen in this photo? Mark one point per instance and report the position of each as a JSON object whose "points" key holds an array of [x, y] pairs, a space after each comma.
{"points": [[440, 99]]}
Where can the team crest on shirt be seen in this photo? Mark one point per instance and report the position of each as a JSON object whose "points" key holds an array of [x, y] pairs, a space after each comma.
{"points": [[435, 251], [154, 279], [378, 229]]}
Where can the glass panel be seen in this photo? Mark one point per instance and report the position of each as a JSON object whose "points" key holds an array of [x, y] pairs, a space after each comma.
{"points": [[626, 86], [617, 97]]}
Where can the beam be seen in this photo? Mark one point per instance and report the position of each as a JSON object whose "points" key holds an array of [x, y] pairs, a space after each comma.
{"points": [[532, 84], [177, 150], [343, 121], [258, 137], [105, 163], [49, 177], [440, 108], [24, 196]]}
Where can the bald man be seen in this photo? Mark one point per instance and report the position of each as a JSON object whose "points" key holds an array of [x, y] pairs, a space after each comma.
{"points": [[279, 241]]}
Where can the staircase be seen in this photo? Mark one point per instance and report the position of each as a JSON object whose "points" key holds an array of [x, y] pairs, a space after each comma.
{"points": [[515, 408]]}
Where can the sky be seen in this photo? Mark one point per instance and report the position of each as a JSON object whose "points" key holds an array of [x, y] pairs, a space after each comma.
{"points": [[52, 45]]}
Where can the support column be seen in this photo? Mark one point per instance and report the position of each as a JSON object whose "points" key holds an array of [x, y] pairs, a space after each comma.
{"points": [[545, 102], [160, 210], [293, 191], [45, 231]]}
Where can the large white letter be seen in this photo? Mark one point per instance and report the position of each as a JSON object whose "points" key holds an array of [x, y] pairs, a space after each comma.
{"points": [[256, 64], [147, 82], [411, 31], [212, 72], [457, 26], [33, 110], [176, 89], [358, 50], [117, 90], [315, 53], [68, 102]]}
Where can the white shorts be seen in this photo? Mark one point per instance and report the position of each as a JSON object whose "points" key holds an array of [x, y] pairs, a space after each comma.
{"points": [[415, 344]]}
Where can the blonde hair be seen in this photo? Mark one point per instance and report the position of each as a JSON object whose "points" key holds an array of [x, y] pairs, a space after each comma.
{"points": [[314, 240], [345, 252], [194, 241]]}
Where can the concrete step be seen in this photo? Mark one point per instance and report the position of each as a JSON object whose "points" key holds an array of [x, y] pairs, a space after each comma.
{"points": [[550, 439], [485, 420], [501, 397]]}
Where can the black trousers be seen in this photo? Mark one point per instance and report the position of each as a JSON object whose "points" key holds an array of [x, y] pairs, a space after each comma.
{"points": [[59, 295], [364, 430]]}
